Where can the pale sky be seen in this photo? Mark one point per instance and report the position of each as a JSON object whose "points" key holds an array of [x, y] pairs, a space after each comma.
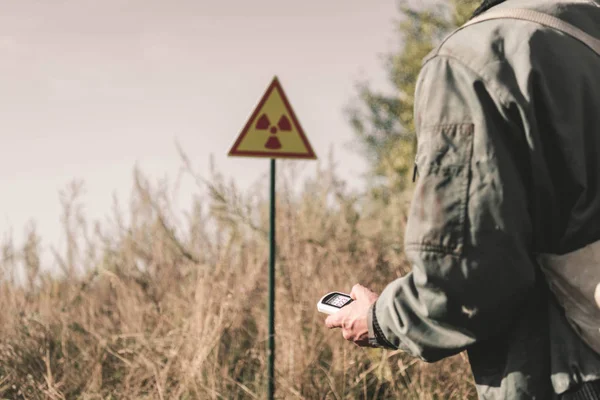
{"points": [[89, 88]]}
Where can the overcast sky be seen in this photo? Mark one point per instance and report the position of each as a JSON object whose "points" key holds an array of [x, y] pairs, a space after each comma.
{"points": [[89, 88]]}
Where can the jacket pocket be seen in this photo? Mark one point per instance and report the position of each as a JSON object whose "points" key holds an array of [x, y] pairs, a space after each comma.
{"points": [[437, 217]]}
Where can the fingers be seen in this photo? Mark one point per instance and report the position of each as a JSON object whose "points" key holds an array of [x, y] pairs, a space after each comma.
{"points": [[347, 335], [334, 321]]}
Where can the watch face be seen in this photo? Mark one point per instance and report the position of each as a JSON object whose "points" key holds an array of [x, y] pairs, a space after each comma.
{"points": [[338, 301]]}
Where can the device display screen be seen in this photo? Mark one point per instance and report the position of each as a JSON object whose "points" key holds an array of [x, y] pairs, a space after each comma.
{"points": [[337, 300]]}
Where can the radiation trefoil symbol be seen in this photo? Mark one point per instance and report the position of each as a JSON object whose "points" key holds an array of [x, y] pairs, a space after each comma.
{"points": [[273, 130], [264, 123]]}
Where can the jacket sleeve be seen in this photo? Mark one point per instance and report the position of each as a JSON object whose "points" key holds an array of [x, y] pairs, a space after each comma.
{"points": [[468, 235]]}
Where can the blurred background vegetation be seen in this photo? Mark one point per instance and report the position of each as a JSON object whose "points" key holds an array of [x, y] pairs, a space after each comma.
{"points": [[154, 306]]}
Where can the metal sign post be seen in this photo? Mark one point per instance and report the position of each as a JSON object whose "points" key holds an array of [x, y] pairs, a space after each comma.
{"points": [[272, 255], [272, 131]]}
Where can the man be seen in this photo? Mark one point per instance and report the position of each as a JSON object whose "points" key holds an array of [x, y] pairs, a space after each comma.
{"points": [[507, 114]]}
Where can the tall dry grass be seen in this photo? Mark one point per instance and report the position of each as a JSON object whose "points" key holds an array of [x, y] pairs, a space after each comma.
{"points": [[154, 306]]}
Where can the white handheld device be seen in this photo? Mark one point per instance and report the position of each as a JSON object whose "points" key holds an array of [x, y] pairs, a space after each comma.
{"points": [[333, 302]]}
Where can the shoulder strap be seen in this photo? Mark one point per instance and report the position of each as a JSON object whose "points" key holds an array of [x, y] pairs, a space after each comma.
{"points": [[542, 19]]}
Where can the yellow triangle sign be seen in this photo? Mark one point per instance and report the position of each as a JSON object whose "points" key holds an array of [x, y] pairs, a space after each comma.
{"points": [[273, 131]]}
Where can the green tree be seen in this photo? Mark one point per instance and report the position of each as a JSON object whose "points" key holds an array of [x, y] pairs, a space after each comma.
{"points": [[383, 122]]}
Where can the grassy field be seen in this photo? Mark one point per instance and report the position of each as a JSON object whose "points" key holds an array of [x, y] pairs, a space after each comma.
{"points": [[159, 305]]}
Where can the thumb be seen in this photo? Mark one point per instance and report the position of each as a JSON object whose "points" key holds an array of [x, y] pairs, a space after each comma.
{"points": [[358, 290]]}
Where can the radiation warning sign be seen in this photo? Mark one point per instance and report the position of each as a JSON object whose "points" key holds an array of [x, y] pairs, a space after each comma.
{"points": [[273, 131]]}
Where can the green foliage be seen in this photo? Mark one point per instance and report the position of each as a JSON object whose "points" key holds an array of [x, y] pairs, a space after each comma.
{"points": [[383, 122]]}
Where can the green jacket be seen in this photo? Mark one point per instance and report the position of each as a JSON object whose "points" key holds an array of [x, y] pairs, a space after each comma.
{"points": [[507, 115]]}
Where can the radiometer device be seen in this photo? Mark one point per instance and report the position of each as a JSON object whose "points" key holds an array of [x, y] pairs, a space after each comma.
{"points": [[333, 302]]}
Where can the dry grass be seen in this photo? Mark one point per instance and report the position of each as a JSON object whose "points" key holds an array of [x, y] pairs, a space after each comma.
{"points": [[160, 307]]}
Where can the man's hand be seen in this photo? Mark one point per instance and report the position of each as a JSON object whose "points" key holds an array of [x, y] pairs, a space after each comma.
{"points": [[353, 317]]}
